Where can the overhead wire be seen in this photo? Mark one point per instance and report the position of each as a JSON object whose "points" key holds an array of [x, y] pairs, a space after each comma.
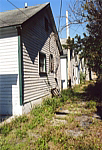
{"points": [[4, 22], [28, 16], [60, 15], [18, 8], [25, 13], [55, 35], [15, 7], [76, 30], [21, 12]]}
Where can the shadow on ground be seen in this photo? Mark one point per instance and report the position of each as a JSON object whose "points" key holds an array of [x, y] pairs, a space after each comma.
{"points": [[92, 92]]}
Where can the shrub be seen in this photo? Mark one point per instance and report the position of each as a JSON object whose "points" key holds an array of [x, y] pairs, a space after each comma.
{"points": [[82, 77], [91, 104], [5, 129]]}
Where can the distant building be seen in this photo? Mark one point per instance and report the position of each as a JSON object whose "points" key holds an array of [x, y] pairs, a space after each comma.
{"points": [[71, 66], [64, 66]]}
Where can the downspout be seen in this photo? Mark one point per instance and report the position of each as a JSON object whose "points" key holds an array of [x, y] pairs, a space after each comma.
{"points": [[20, 65]]}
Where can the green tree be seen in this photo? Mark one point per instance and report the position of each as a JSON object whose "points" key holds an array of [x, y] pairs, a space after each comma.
{"points": [[69, 44], [93, 42], [91, 45]]}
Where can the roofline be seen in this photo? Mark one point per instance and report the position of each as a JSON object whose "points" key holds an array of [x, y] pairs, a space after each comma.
{"points": [[55, 29], [45, 7], [63, 56], [16, 25], [27, 18]]}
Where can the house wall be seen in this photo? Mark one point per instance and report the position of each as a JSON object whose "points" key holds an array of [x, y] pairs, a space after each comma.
{"points": [[75, 71], [64, 73], [9, 78], [34, 40]]}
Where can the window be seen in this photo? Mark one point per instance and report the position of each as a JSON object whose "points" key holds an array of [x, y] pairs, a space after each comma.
{"points": [[46, 25], [42, 63], [51, 63]]}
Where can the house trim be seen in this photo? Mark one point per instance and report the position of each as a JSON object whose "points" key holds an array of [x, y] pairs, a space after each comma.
{"points": [[20, 67]]}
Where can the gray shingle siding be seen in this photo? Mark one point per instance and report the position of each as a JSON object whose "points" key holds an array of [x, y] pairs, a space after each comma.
{"points": [[17, 29], [34, 40]]}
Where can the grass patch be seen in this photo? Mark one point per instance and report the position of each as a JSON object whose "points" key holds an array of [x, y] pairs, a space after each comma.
{"points": [[36, 130], [91, 104], [5, 129]]}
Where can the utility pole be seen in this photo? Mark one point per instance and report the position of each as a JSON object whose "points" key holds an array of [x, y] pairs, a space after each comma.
{"points": [[68, 50], [67, 25]]}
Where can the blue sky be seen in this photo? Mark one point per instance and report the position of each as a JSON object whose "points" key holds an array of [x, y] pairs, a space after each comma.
{"points": [[55, 6]]}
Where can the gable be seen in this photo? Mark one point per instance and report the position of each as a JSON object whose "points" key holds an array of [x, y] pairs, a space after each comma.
{"points": [[25, 15], [22, 14]]}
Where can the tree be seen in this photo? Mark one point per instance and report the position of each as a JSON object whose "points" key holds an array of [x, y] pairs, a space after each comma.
{"points": [[93, 42], [69, 43], [91, 45]]}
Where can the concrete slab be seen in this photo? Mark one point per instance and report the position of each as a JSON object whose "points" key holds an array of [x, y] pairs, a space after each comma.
{"points": [[7, 120]]}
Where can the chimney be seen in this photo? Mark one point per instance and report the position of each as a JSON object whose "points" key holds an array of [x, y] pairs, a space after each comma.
{"points": [[25, 5]]}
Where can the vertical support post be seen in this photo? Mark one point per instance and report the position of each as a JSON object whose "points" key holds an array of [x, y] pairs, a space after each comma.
{"points": [[67, 25], [68, 51], [68, 64], [20, 65]]}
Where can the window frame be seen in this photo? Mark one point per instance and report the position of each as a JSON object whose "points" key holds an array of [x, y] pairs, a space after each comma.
{"points": [[51, 63], [42, 56]]}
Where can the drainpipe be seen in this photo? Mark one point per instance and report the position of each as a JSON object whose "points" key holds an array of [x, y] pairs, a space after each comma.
{"points": [[20, 65]]}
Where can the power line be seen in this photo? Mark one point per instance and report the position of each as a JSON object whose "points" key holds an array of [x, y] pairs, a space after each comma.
{"points": [[36, 18], [27, 17], [25, 13], [60, 15], [76, 30], [18, 8], [4, 22], [22, 12]]}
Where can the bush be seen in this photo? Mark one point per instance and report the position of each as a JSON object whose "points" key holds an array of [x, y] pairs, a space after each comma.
{"points": [[91, 104], [5, 129], [82, 77]]}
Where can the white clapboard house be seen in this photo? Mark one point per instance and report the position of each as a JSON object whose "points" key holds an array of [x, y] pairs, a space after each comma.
{"points": [[29, 58]]}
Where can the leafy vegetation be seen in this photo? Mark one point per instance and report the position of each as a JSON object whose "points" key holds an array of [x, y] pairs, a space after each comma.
{"points": [[82, 77], [90, 46], [43, 129]]}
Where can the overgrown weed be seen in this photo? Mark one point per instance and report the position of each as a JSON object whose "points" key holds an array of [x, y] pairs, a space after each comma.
{"points": [[39, 121]]}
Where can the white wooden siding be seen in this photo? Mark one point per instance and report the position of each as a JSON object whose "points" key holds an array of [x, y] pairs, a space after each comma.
{"points": [[34, 40], [75, 79], [64, 73], [9, 82]]}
